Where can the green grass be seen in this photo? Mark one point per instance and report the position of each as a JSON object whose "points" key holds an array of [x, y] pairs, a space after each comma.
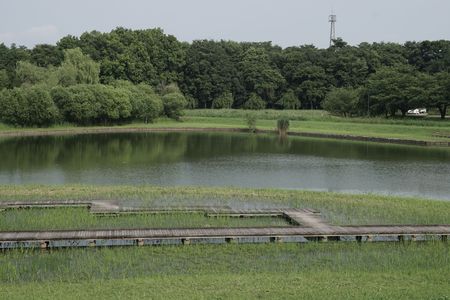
{"points": [[301, 121], [238, 271], [313, 115], [294, 271], [342, 209], [81, 218]]}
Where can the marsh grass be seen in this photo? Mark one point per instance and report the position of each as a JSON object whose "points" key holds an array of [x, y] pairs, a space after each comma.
{"points": [[337, 208], [81, 218], [288, 271], [313, 271]]}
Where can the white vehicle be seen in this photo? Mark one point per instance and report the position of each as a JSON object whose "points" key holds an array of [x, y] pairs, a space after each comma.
{"points": [[417, 111]]}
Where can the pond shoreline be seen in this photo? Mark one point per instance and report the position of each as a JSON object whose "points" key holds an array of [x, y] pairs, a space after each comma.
{"points": [[100, 130]]}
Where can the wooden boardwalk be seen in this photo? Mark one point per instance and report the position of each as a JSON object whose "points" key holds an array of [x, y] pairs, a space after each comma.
{"points": [[306, 223]]}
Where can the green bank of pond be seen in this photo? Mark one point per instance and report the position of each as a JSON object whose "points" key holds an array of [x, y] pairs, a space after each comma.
{"points": [[226, 159]]}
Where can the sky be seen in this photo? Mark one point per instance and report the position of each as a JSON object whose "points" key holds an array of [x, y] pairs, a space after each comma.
{"points": [[284, 22]]}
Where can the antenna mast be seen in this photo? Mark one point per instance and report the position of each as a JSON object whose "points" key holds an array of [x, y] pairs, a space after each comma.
{"points": [[332, 20]]}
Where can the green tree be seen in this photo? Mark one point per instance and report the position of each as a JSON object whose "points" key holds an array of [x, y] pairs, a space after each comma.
{"points": [[4, 79], [289, 100], [41, 109], [78, 68], [439, 92], [223, 101], [174, 103], [342, 101], [30, 74], [211, 70], [394, 88], [79, 104], [114, 103], [28, 106], [260, 76], [254, 102], [146, 104], [44, 55]]}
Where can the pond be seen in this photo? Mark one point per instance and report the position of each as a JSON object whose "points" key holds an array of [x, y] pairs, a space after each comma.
{"points": [[227, 159]]}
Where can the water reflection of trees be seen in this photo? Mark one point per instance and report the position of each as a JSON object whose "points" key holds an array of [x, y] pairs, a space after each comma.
{"points": [[141, 149]]}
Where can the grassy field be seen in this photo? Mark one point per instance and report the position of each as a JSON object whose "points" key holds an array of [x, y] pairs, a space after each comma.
{"points": [[341, 209], [268, 271], [301, 121]]}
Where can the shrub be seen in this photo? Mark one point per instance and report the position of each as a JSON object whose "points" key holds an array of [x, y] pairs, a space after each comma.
{"points": [[81, 105], [114, 103], [174, 103], [223, 101], [342, 101], [28, 106], [254, 102], [250, 119], [282, 126], [289, 100], [42, 111]]}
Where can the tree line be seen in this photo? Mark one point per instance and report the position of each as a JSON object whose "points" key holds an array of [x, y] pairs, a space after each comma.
{"points": [[367, 79], [72, 92]]}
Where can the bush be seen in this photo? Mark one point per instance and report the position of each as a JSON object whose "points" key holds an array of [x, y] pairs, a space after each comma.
{"points": [[224, 101], [147, 105], [174, 103], [169, 89], [42, 111], [10, 106], [289, 100], [282, 126], [254, 102], [28, 106], [342, 101], [114, 103], [78, 104], [250, 119]]}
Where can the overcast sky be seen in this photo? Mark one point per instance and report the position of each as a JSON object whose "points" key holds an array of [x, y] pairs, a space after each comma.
{"points": [[284, 22]]}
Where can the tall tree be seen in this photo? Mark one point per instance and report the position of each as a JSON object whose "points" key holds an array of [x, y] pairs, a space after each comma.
{"points": [[78, 68], [259, 75]]}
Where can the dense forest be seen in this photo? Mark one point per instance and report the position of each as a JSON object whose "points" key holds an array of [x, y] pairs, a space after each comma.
{"points": [[141, 74]]}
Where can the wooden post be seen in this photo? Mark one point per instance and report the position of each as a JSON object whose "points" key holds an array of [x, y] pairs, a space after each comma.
{"points": [[359, 238], [276, 239], [44, 244], [231, 240], [401, 238]]}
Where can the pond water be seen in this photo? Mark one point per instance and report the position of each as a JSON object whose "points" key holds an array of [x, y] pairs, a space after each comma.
{"points": [[227, 159]]}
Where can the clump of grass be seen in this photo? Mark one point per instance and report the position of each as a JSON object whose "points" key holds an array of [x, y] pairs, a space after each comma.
{"points": [[282, 126], [251, 122]]}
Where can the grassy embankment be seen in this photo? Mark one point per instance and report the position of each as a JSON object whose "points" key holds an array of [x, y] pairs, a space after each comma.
{"points": [[311, 271], [301, 121]]}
